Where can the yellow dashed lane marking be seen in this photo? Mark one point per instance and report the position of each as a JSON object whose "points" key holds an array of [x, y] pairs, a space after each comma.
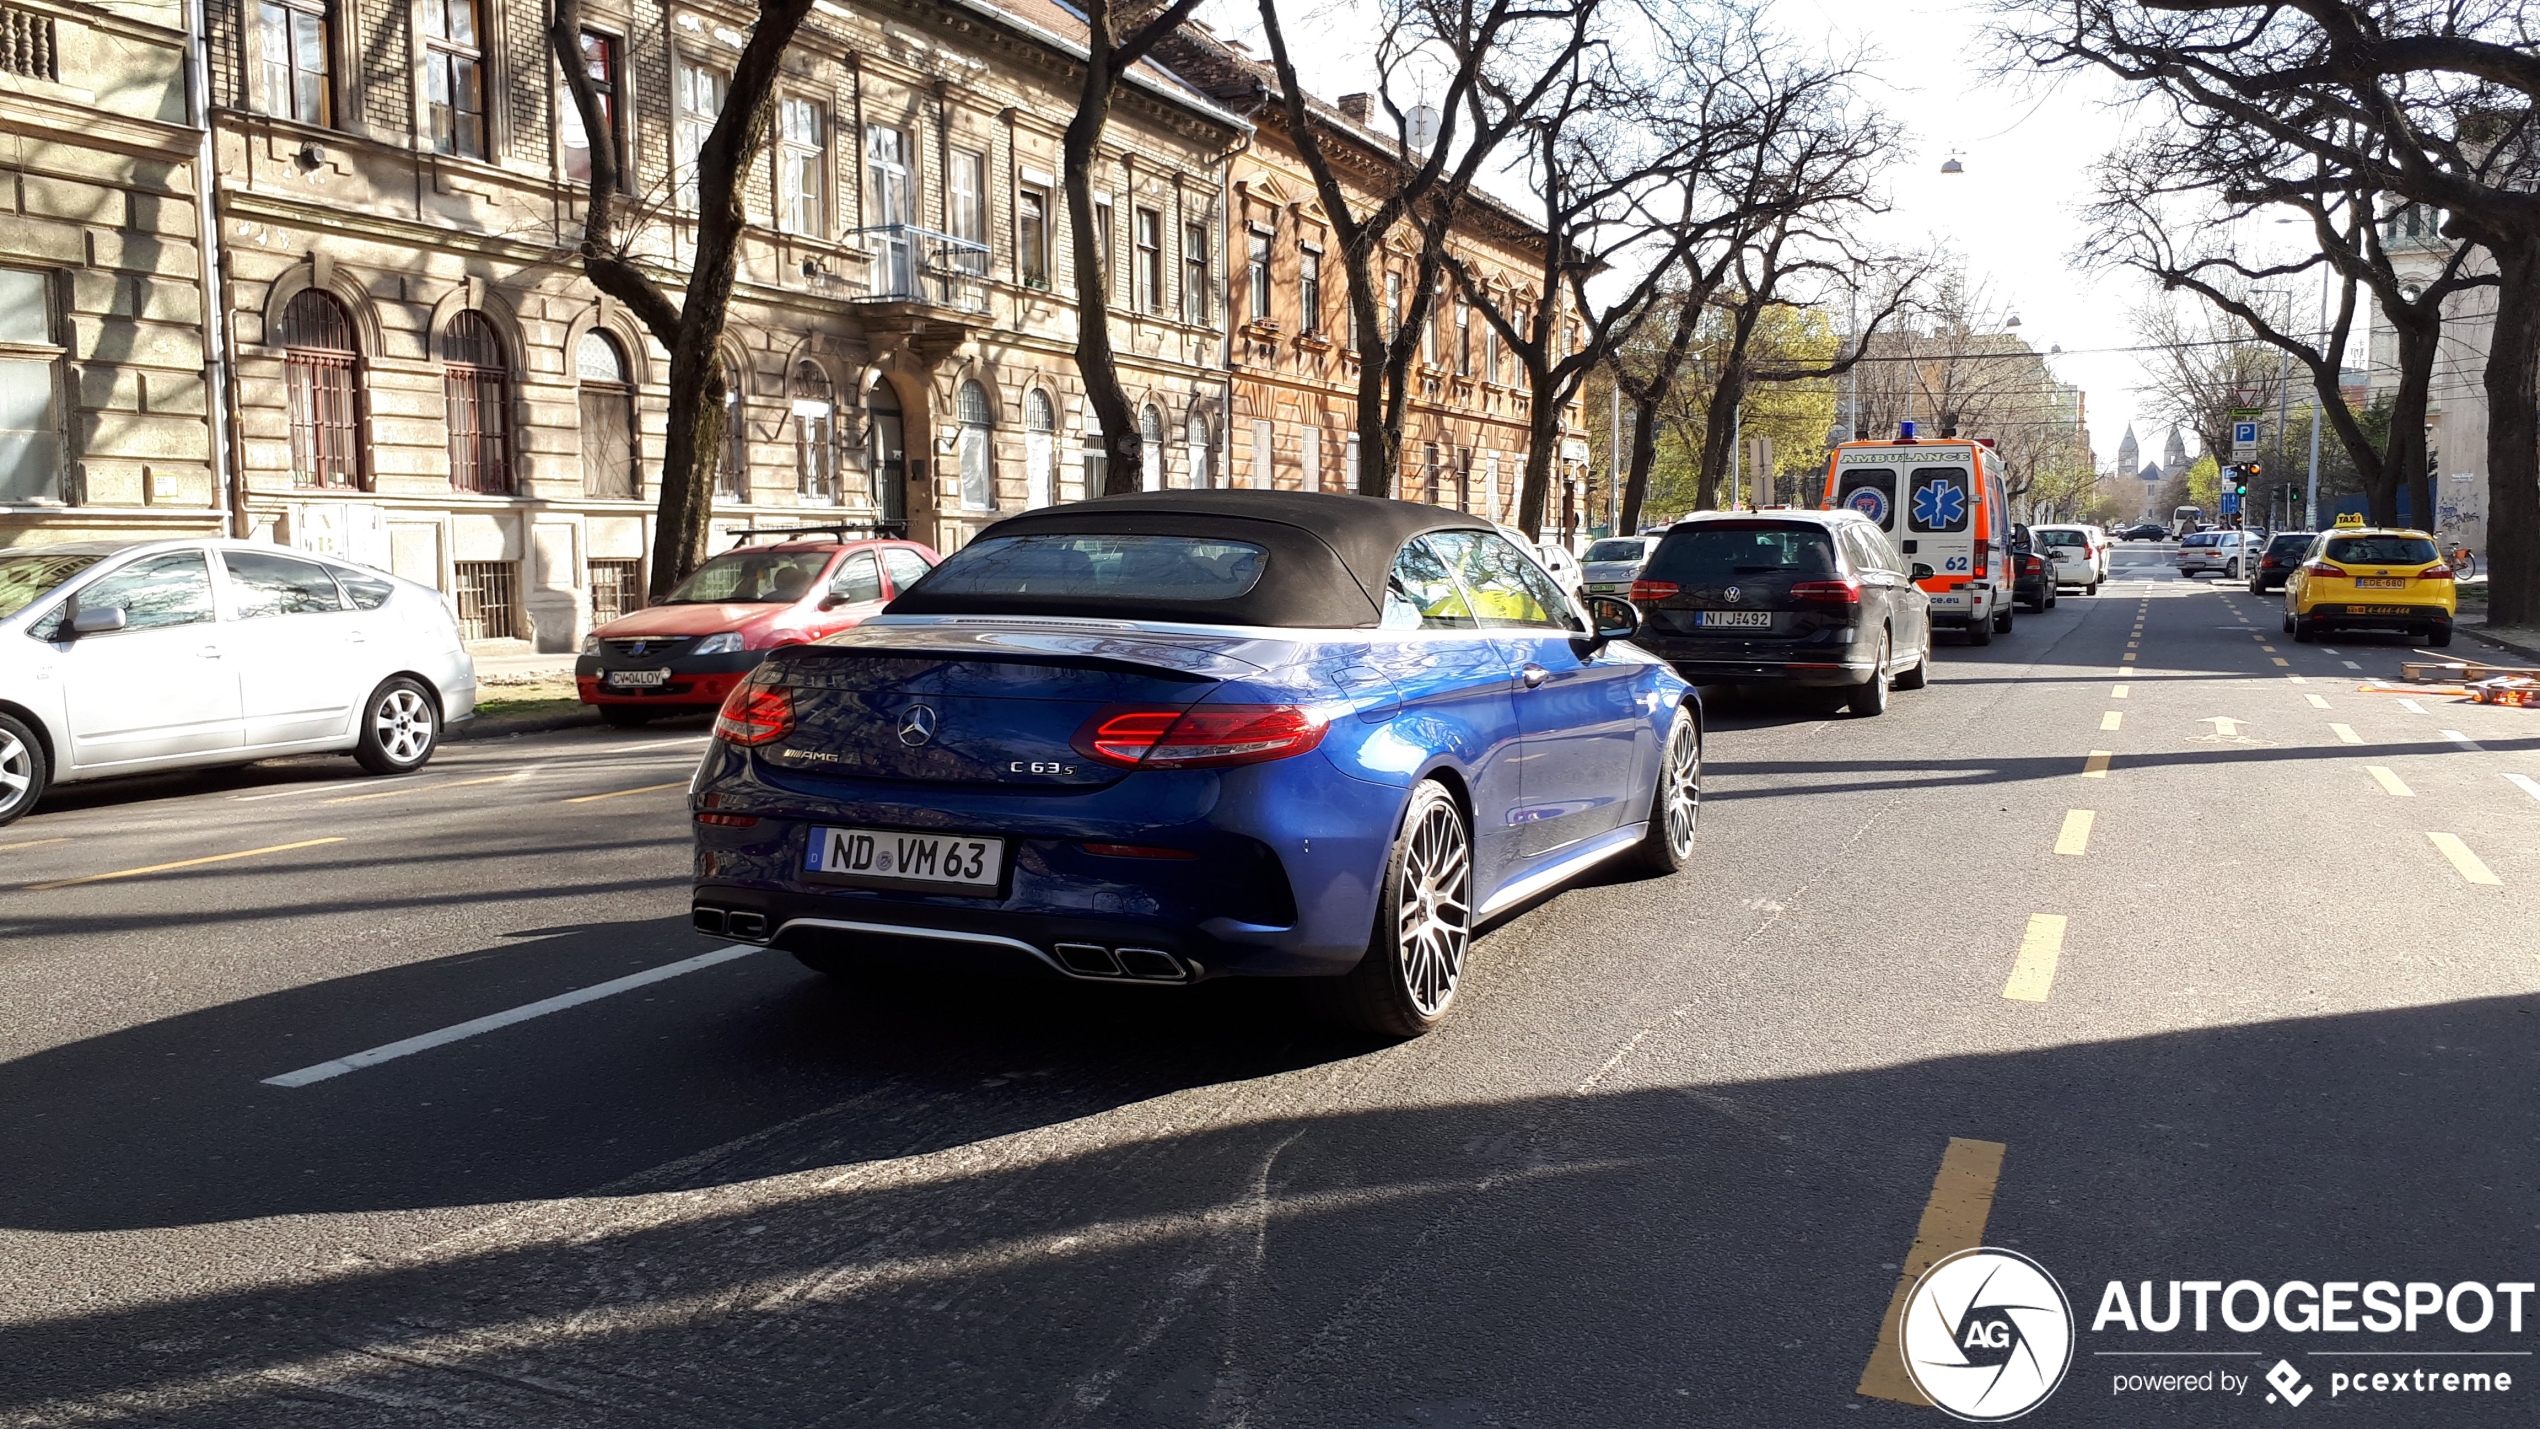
{"points": [[2074, 841], [32, 843], [181, 863], [2462, 859], [2096, 766], [2282, 661], [421, 788], [2389, 782], [2112, 719], [2346, 734], [2041, 947], [622, 793], [1953, 1220]]}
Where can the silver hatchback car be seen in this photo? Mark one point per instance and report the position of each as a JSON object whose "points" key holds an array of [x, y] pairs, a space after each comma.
{"points": [[2215, 553], [1611, 565], [130, 659]]}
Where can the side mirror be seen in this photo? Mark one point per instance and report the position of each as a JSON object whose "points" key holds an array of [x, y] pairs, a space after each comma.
{"points": [[103, 619], [1612, 619], [832, 601], [1923, 572]]}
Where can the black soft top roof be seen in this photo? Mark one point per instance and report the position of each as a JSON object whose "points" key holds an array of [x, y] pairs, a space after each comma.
{"points": [[1328, 560]]}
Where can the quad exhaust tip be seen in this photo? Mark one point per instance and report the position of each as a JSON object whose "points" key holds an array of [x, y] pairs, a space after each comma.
{"points": [[1093, 960], [729, 923]]}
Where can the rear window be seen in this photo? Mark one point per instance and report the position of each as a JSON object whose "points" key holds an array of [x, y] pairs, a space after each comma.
{"points": [[25, 577], [1721, 550], [1626, 550], [1140, 568], [2286, 545], [2382, 550], [2063, 538], [2202, 538]]}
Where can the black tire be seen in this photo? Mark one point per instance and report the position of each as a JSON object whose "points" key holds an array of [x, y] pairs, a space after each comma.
{"points": [[2441, 637], [625, 716], [1675, 801], [23, 770], [2090, 589], [1869, 698], [2053, 595], [2005, 618], [1920, 675], [2304, 631], [2288, 622], [1980, 632], [2231, 572], [401, 727], [1404, 991]]}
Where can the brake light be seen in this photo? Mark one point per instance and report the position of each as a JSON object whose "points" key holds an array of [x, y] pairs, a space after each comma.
{"points": [[2435, 573], [1203, 737], [729, 821], [2325, 570], [1827, 592], [755, 714], [1984, 553], [1654, 590]]}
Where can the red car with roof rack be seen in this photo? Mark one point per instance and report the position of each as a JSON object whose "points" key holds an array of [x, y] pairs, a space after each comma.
{"points": [[772, 589]]}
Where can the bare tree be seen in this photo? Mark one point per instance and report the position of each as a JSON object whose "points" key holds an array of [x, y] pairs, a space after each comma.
{"points": [[1119, 36], [691, 325], [2430, 101], [1959, 367]]}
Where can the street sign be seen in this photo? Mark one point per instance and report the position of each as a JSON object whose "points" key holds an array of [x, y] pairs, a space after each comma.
{"points": [[2244, 439], [2231, 503]]}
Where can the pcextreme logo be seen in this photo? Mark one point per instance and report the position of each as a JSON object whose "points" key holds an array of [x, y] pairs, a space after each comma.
{"points": [[1987, 1334]]}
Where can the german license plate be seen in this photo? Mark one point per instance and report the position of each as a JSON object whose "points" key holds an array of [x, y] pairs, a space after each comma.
{"points": [[1604, 587], [1751, 619], [897, 858], [2380, 583], [638, 679]]}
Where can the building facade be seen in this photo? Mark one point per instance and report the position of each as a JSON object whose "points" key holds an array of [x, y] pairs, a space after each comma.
{"points": [[426, 382], [1293, 359], [106, 419]]}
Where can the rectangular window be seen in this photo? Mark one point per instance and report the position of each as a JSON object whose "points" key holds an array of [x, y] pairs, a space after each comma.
{"points": [[1463, 338], [1309, 292], [599, 61], [802, 167], [291, 57], [1257, 274], [1195, 272], [30, 398], [970, 195], [1265, 474], [1102, 248], [1032, 238], [887, 194], [488, 599], [454, 77], [700, 99], [617, 588], [1393, 305], [1490, 352], [1150, 259]]}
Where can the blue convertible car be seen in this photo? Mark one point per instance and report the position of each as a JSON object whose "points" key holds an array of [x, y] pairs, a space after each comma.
{"points": [[1174, 736]]}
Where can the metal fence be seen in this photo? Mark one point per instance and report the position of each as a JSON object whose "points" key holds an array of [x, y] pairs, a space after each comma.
{"points": [[919, 265], [489, 600], [617, 587]]}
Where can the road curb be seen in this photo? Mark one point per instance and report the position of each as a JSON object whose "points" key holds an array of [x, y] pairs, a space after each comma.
{"points": [[2481, 636], [527, 722]]}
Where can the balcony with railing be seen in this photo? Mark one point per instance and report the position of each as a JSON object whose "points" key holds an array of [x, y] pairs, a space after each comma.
{"points": [[918, 265]]}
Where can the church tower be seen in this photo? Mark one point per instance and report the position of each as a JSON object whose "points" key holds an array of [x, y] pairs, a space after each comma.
{"points": [[2129, 453]]}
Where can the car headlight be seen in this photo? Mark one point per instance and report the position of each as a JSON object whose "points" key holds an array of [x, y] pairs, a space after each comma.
{"points": [[720, 644], [590, 645]]}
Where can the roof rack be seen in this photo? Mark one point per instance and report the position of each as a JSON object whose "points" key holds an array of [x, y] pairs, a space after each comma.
{"points": [[889, 529]]}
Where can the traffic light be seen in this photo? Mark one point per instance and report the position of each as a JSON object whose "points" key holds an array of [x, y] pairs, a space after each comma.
{"points": [[2242, 476]]}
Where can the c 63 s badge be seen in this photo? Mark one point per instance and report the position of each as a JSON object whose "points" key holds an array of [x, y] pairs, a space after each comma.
{"points": [[1040, 766]]}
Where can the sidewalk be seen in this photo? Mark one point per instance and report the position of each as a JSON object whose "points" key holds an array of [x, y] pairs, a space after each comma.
{"points": [[522, 691]]}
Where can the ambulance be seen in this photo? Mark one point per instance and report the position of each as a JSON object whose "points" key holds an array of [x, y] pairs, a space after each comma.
{"points": [[1940, 501]]}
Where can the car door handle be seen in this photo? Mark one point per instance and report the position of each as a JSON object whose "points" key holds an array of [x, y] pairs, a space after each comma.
{"points": [[1534, 675]]}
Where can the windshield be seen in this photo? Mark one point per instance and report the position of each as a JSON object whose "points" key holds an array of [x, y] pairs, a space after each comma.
{"points": [[1104, 567], [2382, 550], [26, 577], [1719, 551], [752, 578], [1628, 549]]}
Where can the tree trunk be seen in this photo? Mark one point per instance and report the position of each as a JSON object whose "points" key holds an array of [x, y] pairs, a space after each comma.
{"points": [[1644, 456], [1719, 433], [2513, 439], [1543, 445], [1124, 454], [685, 508], [2403, 463]]}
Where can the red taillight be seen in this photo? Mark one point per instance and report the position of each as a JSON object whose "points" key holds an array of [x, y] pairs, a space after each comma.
{"points": [[1827, 592], [1654, 590], [755, 714], [2324, 569], [2435, 573], [1984, 555], [729, 821], [1205, 736]]}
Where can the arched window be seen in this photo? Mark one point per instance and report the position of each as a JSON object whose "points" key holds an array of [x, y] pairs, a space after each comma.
{"points": [[978, 472], [815, 432], [1202, 458], [477, 382], [608, 417], [1151, 447], [732, 473], [321, 375], [886, 450], [1040, 451]]}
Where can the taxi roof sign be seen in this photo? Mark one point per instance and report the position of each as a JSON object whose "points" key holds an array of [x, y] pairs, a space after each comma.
{"points": [[2350, 518]]}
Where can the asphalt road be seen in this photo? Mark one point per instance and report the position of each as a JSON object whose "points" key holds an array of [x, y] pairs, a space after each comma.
{"points": [[1664, 1167]]}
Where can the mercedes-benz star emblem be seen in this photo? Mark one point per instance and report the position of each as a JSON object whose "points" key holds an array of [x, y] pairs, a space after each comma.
{"points": [[917, 726], [1732, 592]]}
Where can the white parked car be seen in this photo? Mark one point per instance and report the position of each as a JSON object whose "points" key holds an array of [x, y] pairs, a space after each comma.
{"points": [[2224, 553], [1612, 564], [127, 659], [2080, 554]]}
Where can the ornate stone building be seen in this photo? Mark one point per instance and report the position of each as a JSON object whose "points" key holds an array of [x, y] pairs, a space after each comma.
{"points": [[106, 424], [426, 382], [1292, 362]]}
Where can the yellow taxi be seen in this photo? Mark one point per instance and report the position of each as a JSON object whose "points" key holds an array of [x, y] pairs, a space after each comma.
{"points": [[2371, 577]]}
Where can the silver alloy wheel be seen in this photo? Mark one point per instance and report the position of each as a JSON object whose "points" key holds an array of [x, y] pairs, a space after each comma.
{"points": [[1680, 795], [1433, 917], [403, 722], [17, 770]]}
